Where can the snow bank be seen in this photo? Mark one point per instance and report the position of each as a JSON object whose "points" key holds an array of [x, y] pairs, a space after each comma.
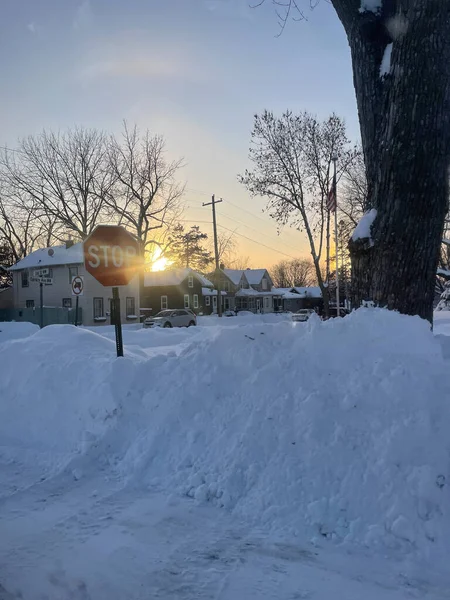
{"points": [[15, 331], [58, 394], [243, 318], [274, 424], [332, 430]]}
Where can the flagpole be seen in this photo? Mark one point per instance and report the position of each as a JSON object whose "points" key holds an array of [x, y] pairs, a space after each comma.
{"points": [[338, 312]]}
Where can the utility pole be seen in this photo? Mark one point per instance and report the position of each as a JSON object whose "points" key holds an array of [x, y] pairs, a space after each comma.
{"points": [[216, 252]]}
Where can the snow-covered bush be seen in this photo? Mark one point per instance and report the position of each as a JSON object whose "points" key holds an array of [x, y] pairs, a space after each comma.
{"points": [[444, 302]]}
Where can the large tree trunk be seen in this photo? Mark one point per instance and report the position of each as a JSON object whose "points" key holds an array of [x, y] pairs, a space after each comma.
{"points": [[405, 128]]}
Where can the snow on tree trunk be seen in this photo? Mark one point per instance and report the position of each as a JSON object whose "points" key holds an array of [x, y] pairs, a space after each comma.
{"points": [[405, 129]]}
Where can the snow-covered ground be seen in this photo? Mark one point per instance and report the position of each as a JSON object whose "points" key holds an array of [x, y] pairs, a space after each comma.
{"points": [[250, 457]]}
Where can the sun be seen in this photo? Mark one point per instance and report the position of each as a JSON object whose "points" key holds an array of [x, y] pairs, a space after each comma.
{"points": [[159, 263]]}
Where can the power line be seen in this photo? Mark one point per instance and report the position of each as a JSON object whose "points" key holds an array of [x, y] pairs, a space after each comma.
{"points": [[256, 242], [260, 232]]}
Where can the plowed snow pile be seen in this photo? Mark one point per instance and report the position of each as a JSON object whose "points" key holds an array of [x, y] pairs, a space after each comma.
{"points": [[337, 430]]}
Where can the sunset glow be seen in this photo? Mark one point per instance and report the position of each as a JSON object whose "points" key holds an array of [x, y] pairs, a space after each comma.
{"points": [[159, 263]]}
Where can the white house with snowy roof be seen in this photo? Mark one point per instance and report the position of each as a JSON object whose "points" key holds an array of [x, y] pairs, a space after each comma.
{"points": [[63, 263]]}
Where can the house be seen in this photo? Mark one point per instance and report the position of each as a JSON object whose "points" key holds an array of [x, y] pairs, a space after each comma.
{"points": [[177, 288], [247, 289], [63, 263], [295, 298]]}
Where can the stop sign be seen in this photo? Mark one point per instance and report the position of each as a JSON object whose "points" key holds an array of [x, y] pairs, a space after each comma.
{"points": [[111, 255]]}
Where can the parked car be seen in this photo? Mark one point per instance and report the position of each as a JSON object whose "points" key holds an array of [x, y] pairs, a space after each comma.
{"points": [[182, 317], [303, 314], [229, 313], [343, 312]]}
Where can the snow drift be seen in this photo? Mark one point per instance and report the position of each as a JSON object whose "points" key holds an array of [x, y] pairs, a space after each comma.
{"points": [[335, 430]]}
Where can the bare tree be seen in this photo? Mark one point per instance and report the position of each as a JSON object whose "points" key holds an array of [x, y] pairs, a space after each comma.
{"points": [[64, 176], [226, 245], [298, 272], [145, 196], [238, 262], [400, 56], [292, 157]]}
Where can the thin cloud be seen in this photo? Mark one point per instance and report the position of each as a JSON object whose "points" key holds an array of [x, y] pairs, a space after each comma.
{"points": [[83, 16], [237, 9], [32, 27], [133, 57], [132, 67]]}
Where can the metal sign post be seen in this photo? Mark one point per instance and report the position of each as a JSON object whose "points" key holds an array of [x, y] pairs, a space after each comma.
{"points": [[41, 310], [117, 320], [77, 290]]}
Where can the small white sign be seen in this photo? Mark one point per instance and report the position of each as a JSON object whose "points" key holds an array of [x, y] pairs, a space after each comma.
{"points": [[77, 285], [43, 280], [41, 272]]}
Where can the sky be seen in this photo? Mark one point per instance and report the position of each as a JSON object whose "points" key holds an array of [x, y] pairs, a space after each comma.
{"points": [[195, 71]]}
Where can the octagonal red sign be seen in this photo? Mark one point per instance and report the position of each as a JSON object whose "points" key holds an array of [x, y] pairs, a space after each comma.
{"points": [[112, 255]]}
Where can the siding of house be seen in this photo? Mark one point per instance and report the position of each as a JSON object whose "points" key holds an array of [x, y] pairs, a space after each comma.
{"points": [[151, 296], [61, 288]]}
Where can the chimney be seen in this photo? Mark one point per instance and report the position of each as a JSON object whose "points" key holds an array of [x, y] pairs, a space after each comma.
{"points": [[221, 266], [69, 243]]}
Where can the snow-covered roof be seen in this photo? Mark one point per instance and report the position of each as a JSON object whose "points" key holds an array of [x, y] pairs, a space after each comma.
{"points": [[173, 277], [208, 292], [253, 276], [309, 292], [61, 256], [296, 292], [282, 291], [252, 292], [204, 281], [234, 274]]}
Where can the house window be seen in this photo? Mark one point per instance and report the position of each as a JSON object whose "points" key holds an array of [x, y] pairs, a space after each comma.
{"points": [[99, 311], [67, 302], [186, 301], [164, 303], [29, 303], [226, 303], [49, 272], [226, 286], [73, 272], [195, 300], [267, 302], [264, 284], [131, 306], [24, 276], [207, 301], [191, 281]]}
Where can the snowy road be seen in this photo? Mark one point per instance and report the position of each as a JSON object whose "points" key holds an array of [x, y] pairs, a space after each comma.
{"points": [[74, 540]]}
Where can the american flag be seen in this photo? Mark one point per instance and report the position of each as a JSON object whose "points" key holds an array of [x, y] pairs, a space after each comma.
{"points": [[331, 199]]}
